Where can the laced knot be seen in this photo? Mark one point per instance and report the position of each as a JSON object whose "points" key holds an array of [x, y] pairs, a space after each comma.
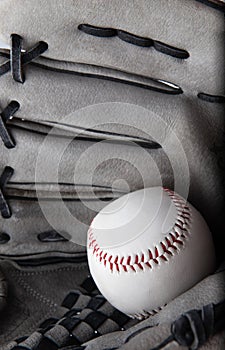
{"points": [[20, 57], [5, 116]]}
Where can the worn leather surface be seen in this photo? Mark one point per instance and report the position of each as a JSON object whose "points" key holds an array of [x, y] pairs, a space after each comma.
{"points": [[56, 98], [189, 124], [83, 84], [36, 294], [185, 24]]}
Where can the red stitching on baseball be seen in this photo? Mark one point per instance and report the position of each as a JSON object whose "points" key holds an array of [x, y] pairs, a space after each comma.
{"points": [[140, 266], [150, 254], [148, 264], [176, 238], [116, 259], [163, 257]]}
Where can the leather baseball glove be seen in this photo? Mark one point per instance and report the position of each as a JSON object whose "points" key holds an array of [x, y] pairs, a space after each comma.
{"points": [[99, 99]]}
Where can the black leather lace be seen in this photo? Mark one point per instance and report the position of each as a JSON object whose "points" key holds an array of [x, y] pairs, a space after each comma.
{"points": [[211, 98], [193, 328], [164, 48], [4, 179], [5, 115], [85, 310], [134, 40], [18, 58]]}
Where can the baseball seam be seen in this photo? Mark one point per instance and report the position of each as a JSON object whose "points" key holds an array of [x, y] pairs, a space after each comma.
{"points": [[162, 252]]}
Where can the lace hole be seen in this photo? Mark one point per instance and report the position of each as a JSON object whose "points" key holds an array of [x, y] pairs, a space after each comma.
{"points": [[4, 238], [51, 236]]}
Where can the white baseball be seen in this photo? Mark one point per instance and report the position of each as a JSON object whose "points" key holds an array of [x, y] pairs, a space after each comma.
{"points": [[146, 248]]}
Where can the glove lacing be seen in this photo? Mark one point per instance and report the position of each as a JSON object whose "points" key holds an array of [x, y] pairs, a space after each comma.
{"points": [[18, 58]]}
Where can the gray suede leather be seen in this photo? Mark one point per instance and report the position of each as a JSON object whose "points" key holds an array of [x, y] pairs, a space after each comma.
{"points": [[48, 97], [185, 24], [90, 127], [36, 294], [211, 289], [150, 338]]}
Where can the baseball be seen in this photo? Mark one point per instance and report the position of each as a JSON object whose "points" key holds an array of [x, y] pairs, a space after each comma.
{"points": [[146, 248]]}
